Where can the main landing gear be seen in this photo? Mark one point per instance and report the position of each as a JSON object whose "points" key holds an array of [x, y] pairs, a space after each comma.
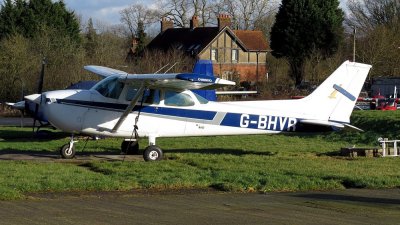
{"points": [[150, 153], [129, 147]]}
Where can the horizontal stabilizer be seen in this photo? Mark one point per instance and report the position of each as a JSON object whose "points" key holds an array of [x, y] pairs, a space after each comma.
{"points": [[19, 105], [323, 123], [331, 124], [351, 127]]}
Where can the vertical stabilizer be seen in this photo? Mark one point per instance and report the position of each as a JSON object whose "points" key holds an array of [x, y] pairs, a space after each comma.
{"points": [[335, 98], [205, 67]]}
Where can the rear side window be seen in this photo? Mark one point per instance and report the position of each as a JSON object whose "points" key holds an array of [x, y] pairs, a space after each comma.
{"points": [[173, 98]]}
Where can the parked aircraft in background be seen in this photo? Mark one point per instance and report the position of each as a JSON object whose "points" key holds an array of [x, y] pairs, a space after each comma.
{"points": [[379, 102], [161, 105]]}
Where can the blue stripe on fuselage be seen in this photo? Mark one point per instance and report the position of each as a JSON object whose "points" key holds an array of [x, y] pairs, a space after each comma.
{"points": [[240, 120], [177, 112], [260, 122]]}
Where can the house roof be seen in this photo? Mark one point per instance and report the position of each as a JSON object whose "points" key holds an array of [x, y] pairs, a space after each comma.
{"points": [[184, 39], [254, 40], [195, 40]]}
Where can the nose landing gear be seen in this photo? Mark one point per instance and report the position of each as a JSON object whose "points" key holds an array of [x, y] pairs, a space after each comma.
{"points": [[67, 151]]}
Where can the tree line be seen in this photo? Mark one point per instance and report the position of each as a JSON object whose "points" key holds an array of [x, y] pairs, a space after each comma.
{"points": [[309, 39]]}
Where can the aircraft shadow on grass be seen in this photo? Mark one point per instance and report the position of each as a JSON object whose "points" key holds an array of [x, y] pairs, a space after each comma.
{"points": [[220, 151], [29, 136]]}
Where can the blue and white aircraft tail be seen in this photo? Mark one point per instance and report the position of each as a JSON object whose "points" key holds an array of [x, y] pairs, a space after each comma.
{"points": [[161, 105]]}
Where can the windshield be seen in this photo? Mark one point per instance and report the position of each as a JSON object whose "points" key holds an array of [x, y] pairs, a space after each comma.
{"points": [[109, 87]]}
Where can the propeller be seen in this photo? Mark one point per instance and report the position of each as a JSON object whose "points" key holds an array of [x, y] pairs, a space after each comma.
{"points": [[39, 91]]}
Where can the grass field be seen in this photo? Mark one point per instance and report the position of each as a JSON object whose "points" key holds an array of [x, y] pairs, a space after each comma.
{"points": [[255, 163]]}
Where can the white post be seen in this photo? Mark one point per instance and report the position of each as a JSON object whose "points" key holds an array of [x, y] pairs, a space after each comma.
{"points": [[395, 148], [383, 148]]}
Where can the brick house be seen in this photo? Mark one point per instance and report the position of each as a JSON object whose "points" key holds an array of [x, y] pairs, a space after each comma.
{"points": [[236, 54]]}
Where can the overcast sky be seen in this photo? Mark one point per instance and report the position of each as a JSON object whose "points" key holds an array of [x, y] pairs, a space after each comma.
{"points": [[107, 11]]}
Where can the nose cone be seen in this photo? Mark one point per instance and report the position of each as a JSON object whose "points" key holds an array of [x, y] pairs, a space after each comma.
{"points": [[34, 98], [61, 110]]}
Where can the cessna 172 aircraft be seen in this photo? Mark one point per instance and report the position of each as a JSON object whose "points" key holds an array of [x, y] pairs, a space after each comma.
{"points": [[161, 105]]}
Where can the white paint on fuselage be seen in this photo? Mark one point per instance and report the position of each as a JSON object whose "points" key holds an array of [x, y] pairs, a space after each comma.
{"points": [[100, 120]]}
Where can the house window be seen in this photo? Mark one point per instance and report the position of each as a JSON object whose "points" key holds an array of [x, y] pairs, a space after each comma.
{"points": [[214, 54], [235, 55]]}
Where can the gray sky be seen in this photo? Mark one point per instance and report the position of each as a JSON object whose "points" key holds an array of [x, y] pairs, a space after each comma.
{"points": [[107, 11]]}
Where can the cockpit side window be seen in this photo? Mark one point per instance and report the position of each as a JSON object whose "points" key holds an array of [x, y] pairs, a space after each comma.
{"points": [[110, 88], [173, 98], [151, 96]]}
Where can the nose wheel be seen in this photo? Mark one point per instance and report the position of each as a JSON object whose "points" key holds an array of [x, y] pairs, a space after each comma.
{"points": [[67, 151]]}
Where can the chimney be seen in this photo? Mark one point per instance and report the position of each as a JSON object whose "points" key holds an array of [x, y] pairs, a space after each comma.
{"points": [[194, 22], [134, 42], [166, 24], [223, 21]]}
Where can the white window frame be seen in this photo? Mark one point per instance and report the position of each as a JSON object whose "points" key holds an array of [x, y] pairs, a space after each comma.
{"points": [[235, 55], [214, 54]]}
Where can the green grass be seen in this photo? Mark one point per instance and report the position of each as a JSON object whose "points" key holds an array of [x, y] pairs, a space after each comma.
{"points": [[261, 163]]}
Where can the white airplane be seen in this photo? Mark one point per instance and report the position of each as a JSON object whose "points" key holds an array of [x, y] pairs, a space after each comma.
{"points": [[161, 105]]}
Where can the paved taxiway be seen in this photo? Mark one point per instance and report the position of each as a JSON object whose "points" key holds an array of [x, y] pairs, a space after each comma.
{"points": [[336, 207], [16, 121]]}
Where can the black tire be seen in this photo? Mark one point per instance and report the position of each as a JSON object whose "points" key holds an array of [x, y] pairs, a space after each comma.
{"points": [[130, 147], [152, 153], [67, 153]]}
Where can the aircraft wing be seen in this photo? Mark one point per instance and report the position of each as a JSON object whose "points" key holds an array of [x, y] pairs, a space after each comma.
{"points": [[190, 81], [175, 81], [104, 71]]}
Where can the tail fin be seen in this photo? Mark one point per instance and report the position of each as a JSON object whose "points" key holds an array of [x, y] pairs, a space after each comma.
{"points": [[335, 98]]}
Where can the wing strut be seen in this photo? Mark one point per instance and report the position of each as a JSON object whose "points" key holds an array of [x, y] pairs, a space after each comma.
{"points": [[130, 107]]}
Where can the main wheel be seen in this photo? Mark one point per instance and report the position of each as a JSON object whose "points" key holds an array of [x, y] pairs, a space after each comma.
{"points": [[67, 152], [130, 147], [152, 153]]}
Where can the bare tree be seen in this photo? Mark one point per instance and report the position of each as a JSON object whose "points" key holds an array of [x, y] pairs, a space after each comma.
{"points": [[179, 10], [136, 13], [378, 25], [182, 10], [368, 14], [245, 13], [203, 9]]}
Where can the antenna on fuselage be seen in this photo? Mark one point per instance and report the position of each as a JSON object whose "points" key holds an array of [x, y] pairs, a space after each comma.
{"points": [[161, 68], [170, 67]]}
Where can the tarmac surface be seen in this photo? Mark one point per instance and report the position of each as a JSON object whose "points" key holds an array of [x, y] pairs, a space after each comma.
{"points": [[351, 206], [189, 207], [16, 121]]}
